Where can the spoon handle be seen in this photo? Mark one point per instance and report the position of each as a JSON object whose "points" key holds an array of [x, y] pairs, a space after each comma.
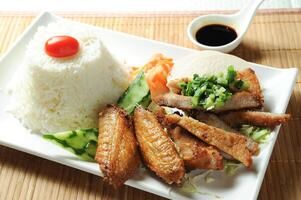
{"points": [[247, 13]]}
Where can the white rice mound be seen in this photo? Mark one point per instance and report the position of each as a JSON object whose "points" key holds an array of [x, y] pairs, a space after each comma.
{"points": [[51, 95]]}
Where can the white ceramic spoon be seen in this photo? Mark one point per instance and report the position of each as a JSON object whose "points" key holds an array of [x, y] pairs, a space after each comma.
{"points": [[239, 21]]}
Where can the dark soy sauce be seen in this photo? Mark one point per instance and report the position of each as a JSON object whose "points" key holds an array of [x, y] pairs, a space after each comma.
{"points": [[215, 35]]}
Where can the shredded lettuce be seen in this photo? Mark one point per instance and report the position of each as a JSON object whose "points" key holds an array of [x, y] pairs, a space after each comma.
{"points": [[210, 92], [258, 134], [208, 177], [230, 167], [189, 185]]}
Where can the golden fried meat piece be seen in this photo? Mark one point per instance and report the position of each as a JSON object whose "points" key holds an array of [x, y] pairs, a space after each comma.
{"points": [[195, 153], [157, 149], [117, 151], [213, 120], [256, 118], [231, 143], [174, 100], [240, 100], [249, 76]]}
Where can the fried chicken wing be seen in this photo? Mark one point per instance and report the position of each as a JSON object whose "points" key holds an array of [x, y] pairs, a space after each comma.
{"points": [[256, 118], [195, 153], [228, 142], [157, 149], [117, 152]]}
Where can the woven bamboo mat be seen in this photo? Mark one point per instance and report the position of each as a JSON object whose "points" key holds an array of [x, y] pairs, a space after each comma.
{"points": [[273, 39]]}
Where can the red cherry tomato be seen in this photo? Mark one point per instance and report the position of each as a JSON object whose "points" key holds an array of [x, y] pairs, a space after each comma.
{"points": [[61, 46]]}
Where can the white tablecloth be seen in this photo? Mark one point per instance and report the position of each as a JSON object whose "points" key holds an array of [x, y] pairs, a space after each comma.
{"points": [[137, 5]]}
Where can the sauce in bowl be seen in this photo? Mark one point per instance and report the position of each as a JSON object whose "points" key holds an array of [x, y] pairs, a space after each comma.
{"points": [[215, 35]]}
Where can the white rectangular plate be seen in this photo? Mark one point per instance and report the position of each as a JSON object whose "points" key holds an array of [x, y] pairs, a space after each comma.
{"points": [[277, 86]]}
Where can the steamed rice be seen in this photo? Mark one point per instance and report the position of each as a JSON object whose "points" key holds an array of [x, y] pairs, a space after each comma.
{"points": [[51, 95]]}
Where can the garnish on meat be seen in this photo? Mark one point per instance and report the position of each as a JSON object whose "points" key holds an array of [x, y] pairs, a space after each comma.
{"points": [[211, 92], [217, 93]]}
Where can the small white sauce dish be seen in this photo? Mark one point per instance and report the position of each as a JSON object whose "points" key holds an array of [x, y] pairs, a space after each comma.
{"points": [[239, 21]]}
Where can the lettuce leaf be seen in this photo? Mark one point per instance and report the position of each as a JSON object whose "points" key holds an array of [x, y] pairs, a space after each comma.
{"points": [[231, 167], [258, 134]]}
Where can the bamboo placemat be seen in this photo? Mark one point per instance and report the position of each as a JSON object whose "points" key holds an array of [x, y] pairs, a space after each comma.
{"points": [[273, 39]]}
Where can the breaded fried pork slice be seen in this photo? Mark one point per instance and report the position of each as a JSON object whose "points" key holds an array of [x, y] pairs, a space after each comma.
{"points": [[157, 149], [117, 150], [240, 100], [174, 100], [256, 118], [213, 120], [233, 144], [249, 76], [195, 153]]}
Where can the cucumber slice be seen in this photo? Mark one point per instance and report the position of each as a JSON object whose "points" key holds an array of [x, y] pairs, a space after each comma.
{"points": [[82, 142], [146, 100], [134, 95]]}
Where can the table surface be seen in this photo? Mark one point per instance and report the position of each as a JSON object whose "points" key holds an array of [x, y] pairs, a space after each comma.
{"points": [[138, 5], [273, 39]]}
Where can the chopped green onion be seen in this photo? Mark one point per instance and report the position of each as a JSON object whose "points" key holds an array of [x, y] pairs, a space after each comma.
{"points": [[231, 74], [211, 92]]}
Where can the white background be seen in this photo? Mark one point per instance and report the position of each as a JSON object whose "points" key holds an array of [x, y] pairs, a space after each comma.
{"points": [[137, 5]]}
